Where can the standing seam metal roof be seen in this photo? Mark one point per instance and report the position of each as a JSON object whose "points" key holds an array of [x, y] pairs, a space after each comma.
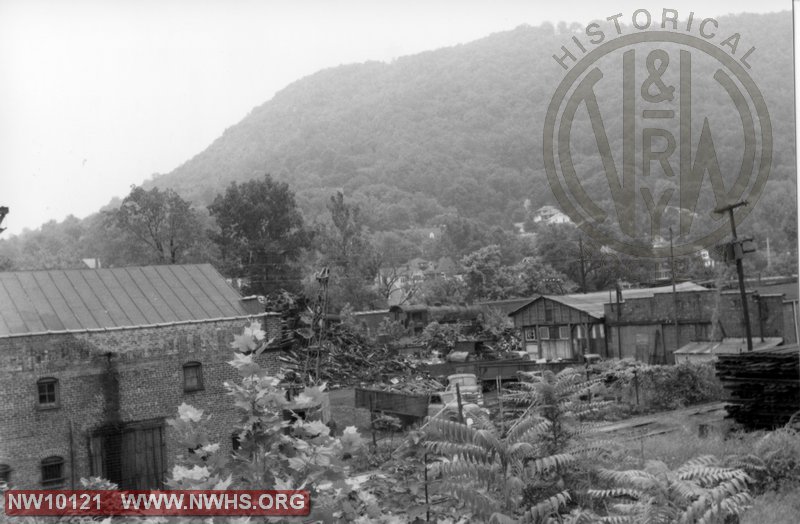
{"points": [[33, 302]]}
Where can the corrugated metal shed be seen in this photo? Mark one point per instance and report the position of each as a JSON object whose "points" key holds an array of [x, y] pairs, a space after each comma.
{"points": [[592, 303], [33, 302]]}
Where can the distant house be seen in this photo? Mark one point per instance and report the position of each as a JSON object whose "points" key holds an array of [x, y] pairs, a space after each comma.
{"points": [[403, 280], [93, 361], [550, 215]]}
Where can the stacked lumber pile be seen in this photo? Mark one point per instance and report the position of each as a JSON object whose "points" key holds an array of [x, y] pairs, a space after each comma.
{"points": [[764, 387], [347, 359]]}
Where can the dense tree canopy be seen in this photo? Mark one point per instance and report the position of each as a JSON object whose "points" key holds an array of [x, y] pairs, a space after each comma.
{"points": [[261, 234], [160, 220]]}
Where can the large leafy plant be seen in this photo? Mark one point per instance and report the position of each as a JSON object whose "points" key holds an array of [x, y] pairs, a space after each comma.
{"points": [[489, 468], [700, 491], [273, 453]]}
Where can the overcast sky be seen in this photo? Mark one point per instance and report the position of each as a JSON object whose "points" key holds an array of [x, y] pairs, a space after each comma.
{"points": [[98, 95]]}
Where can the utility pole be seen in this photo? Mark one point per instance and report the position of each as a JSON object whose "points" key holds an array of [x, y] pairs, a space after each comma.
{"points": [[769, 256], [738, 254], [583, 267], [3, 213], [674, 294]]}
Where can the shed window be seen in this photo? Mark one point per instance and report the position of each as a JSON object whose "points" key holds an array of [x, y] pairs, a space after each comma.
{"points": [[192, 376], [5, 473], [563, 332], [52, 471], [548, 311], [530, 334], [544, 333], [48, 392]]}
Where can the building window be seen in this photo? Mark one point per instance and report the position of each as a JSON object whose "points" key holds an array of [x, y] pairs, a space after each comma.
{"points": [[530, 334], [52, 471], [544, 333], [548, 311], [563, 332], [48, 393], [5, 473], [192, 376]]}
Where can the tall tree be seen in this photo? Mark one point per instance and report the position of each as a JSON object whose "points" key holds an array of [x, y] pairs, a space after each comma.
{"points": [[346, 249], [261, 234], [162, 221]]}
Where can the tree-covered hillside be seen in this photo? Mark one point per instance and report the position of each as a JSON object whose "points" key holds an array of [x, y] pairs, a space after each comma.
{"points": [[446, 141], [458, 128]]}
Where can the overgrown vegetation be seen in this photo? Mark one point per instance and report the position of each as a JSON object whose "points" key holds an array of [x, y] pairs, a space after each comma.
{"points": [[543, 462]]}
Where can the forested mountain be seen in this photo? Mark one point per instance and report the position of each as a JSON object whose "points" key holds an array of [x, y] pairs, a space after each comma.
{"points": [[451, 136], [459, 127]]}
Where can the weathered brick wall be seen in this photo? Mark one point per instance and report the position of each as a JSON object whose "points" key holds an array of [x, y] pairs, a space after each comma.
{"points": [[149, 363]]}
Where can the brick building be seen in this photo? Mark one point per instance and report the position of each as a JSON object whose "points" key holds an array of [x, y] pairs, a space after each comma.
{"points": [[93, 361]]}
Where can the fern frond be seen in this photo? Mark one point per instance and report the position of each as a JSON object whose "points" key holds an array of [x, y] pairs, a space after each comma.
{"points": [[546, 508], [634, 478], [534, 433], [452, 431], [658, 514], [523, 426], [711, 474], [737, 504], [477, 500], [488, 440], [746, 463], [544, 464], [478, 472], [686, 489], [451, 449], [615, 493]]}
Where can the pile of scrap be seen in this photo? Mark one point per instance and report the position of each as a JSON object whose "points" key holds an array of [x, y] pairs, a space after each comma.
{"points": [[411, 385], [764, 386], [346, 359]]}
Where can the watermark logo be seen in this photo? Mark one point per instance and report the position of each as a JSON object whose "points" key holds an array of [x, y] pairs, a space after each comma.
{"points": [[654, 125]]}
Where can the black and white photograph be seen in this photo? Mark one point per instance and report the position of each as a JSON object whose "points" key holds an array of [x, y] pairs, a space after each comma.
{"points": [[399, 262]]}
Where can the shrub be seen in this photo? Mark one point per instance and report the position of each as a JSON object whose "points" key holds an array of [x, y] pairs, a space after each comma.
{"points": [[661, 387]]}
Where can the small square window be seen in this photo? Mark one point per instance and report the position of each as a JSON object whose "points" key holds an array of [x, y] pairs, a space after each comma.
{"points": [[192, 376], [47, 389], [530, 334], [544, 333], [563, 332], [52, 471]]}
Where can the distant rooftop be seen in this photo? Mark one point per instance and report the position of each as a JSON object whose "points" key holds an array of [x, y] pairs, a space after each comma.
{"points": [[37, 302], [592, 303]]}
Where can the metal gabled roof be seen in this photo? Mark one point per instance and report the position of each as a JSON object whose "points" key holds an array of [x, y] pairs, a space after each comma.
{"points": [[38, 302], [593, 303]]}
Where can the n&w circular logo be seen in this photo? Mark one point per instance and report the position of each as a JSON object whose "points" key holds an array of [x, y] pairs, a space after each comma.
{"points": [[656, 123]]}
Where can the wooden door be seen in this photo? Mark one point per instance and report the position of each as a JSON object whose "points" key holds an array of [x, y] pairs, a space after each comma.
{"points": [[131, 456]]}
